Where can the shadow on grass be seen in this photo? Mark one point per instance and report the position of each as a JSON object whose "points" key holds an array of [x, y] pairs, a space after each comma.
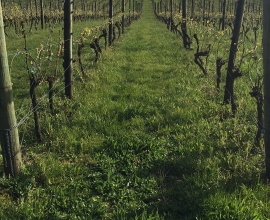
{"points": [[175, 193], [180, 192], [184, 188]]}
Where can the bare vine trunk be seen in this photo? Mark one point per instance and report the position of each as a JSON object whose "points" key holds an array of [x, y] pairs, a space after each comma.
{"points": [[232, 71]]}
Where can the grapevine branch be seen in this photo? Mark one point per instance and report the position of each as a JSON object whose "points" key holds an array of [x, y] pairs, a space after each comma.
{"points": [[200, 54]]}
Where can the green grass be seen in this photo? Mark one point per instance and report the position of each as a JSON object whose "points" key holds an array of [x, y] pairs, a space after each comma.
{"points": [[49, 36], [145, 137]]}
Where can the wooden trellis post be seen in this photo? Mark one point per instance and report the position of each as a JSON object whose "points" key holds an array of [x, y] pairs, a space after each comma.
{"points": [[68, 10], [266, 66], [9, 136], [111, 22], [123, 16]]}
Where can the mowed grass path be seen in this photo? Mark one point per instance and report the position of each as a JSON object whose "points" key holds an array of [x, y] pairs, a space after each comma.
{"points": [[143, 139]]}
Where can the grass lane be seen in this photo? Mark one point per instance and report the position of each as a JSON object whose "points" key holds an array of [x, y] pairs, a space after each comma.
{"points": [[143, 140]]}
